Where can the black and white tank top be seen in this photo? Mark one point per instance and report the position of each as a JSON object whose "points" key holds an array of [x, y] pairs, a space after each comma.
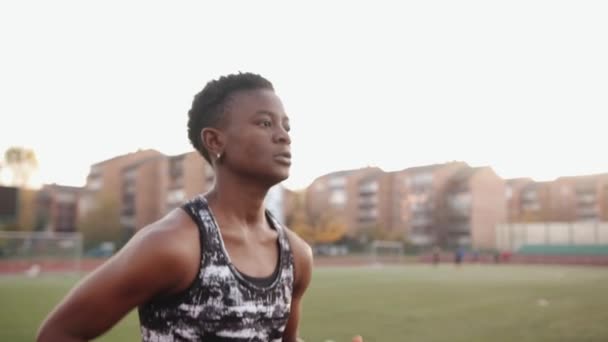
{"points": [[222, 304]]}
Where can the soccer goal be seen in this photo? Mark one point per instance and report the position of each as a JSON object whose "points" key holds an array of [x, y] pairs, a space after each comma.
{"points": [[383, 252], [31, 253]]}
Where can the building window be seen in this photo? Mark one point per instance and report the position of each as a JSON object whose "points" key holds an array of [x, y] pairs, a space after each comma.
{"points": [[421, 180], [176, 196], [368, 201], [368, 187], [509, 192], [95, 183], [530, 195], [337, 198], [368, 215], [337, 182]]}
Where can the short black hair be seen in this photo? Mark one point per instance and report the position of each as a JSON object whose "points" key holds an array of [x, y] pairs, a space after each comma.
{"points": [[210, 103]]}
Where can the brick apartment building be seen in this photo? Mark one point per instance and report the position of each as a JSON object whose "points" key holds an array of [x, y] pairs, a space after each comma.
{"points": [[473, 204], [9, 206], [146, 184], [57, 208], [580, 198], [374, 202], [141, 189], [416, 195], [337, 194], [105, 181], [513, 196], [566, 199], [52, 208], [448, 204], [188, 174]]}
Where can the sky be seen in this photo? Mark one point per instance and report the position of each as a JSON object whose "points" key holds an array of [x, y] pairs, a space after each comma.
{"points": [[521, 86]]}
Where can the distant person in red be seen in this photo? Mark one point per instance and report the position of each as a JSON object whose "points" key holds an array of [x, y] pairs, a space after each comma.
{"points": [[506, 256], [220, 267]]}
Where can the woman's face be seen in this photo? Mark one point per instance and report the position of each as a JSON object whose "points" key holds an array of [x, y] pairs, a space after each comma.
{"points": [[257, 142]]}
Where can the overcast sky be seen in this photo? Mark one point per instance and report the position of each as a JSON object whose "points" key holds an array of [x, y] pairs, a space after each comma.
{"points": [[521, 86]]}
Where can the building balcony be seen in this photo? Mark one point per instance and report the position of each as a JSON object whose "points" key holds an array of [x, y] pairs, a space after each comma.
{"points": [[368, 188], [421, 221], [94, 184], [531, 206], [459, 213], [421, 208], [127, 220], [128, 211], [458, 227], [176, 173], [129, 174], [587, 213], [336, 183], [366, 219], [588, 198], [529, 196], [368, 200], [367, 206]]}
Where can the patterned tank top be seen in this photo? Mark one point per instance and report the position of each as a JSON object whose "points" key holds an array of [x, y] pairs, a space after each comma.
{"points": [[222, 304]]}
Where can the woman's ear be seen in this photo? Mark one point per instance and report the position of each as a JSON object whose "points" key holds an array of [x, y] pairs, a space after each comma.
{"points": [[213, 140]]}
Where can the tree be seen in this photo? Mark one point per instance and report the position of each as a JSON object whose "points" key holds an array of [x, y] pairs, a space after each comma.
{"points": [[378, 232], [330, 229], [22, 163], [314, 227], [101, 223]]}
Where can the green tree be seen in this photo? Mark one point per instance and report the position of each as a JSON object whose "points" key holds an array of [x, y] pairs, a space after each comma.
{"points": [[314, 227], [101, 223]]}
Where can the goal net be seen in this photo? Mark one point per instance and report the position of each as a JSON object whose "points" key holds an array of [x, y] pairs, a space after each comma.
{"points": [[383, 252], [31, 253]]}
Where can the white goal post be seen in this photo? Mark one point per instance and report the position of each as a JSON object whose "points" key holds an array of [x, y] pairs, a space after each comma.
{"points": [[33, 252], [386, 251]]}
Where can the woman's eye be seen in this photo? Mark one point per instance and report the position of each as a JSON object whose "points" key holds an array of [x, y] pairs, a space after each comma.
{"points": [[265, 124]]}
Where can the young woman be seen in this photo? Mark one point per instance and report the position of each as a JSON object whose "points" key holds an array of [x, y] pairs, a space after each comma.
{"points": [[221, 267]]}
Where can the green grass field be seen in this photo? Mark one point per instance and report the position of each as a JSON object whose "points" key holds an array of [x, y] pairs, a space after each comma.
{"points": [[405, 303]]}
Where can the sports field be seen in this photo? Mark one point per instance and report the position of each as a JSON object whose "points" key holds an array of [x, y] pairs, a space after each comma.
{"points": [[396, 303]]}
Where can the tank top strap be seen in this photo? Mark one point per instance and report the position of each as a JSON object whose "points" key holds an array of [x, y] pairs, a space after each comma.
{"points": [[210, 240], [284, 246]]}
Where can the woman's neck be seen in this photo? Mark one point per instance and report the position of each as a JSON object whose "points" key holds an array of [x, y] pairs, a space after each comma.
{"points": [[238, 200]]}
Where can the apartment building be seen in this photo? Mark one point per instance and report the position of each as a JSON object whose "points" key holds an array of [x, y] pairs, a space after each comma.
{"points": [[142, 187], [336, 194], [535, 202], [153, 187], [56, 208], [473, 203], [104, 182], [449, 204], [580, 198], [417, 192], [374, 202], [187, 175], [146, 185], [9, 206], [566, 199], [513, 191]]}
